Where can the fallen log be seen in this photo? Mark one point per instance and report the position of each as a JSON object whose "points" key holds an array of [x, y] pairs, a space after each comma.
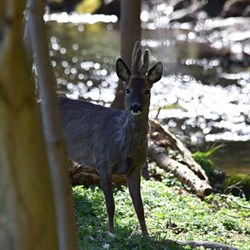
{"points": [[181, 171], [82, 175], [163, 137]]}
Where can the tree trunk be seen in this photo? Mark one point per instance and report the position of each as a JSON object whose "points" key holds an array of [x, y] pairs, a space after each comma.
{"points": [[27, 214], [130, 28], [2, 8], [52, 128]]}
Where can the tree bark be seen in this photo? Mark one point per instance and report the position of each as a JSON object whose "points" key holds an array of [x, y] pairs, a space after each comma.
{"points": [[51, 125], [130, 28], [27, 214], [2, 10]]}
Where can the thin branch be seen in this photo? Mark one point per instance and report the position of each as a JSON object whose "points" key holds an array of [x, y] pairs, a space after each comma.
{"points": [[234, 199]]}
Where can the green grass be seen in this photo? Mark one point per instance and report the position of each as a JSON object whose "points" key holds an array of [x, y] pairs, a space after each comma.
{"points": [[172, 213]]}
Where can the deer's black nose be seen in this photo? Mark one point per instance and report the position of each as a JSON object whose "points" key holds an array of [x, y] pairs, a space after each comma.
{"points": [[136, 109]]}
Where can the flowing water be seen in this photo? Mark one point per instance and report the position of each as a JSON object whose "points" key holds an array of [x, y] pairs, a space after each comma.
{"points": [[204, 96]]}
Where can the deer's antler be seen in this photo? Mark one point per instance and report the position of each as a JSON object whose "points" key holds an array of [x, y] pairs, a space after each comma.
{"points": [[139, 68], [136, 59], [144, 68]]}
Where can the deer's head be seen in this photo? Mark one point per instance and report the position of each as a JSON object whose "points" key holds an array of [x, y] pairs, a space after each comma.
{"points": [[139, 80]]}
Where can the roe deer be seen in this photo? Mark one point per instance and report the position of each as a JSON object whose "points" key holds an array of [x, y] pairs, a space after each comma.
{"points": [[114, 141]]}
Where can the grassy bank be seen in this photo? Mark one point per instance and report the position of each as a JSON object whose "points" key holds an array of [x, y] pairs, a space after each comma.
{"points": [[172, 213]]}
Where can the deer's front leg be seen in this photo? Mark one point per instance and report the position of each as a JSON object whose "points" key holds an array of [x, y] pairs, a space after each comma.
{"points": [[134, 181], [106, 182]]}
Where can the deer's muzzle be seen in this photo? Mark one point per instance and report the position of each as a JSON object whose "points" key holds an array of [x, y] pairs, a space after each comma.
{"points": [[136, 109]]}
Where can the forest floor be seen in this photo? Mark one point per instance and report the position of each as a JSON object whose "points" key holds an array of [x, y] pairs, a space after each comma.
{"points": [[173, 214]]}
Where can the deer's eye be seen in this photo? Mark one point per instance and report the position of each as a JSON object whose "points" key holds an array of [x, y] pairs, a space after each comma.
{"points": [[128, 91], [147, 92]]}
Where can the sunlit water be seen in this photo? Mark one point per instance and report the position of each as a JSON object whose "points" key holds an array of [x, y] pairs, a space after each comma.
{"points": [[200, 98]]}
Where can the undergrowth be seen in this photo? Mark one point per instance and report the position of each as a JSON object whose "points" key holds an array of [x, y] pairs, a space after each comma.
{"points": [[172, 214]]}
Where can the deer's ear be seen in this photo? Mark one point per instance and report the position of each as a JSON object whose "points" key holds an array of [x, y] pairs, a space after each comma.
{"points": [[122, 70], [155, 73]]}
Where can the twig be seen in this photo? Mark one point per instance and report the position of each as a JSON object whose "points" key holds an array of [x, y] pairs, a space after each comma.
{"points": [[233, 199], [210, 245]]}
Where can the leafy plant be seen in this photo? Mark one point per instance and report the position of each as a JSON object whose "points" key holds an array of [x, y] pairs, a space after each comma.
{"points": [[215, 175], [171, 215], [203, 158]]}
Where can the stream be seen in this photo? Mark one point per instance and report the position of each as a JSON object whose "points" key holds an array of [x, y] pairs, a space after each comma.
{"points": [[204, 96]]}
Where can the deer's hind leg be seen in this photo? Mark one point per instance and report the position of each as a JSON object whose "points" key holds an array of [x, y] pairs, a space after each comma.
{"points": [[106, 183]]}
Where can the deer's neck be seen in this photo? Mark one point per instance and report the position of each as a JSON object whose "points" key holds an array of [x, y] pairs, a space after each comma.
{"points": [[134, 130], [136, 124]]}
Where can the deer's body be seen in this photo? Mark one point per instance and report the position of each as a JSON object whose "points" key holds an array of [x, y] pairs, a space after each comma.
{"points": [[114, 141], [86, 125]]}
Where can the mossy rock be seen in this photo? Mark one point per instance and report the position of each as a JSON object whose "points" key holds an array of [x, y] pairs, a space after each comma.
{"points": [[238, 184]]}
